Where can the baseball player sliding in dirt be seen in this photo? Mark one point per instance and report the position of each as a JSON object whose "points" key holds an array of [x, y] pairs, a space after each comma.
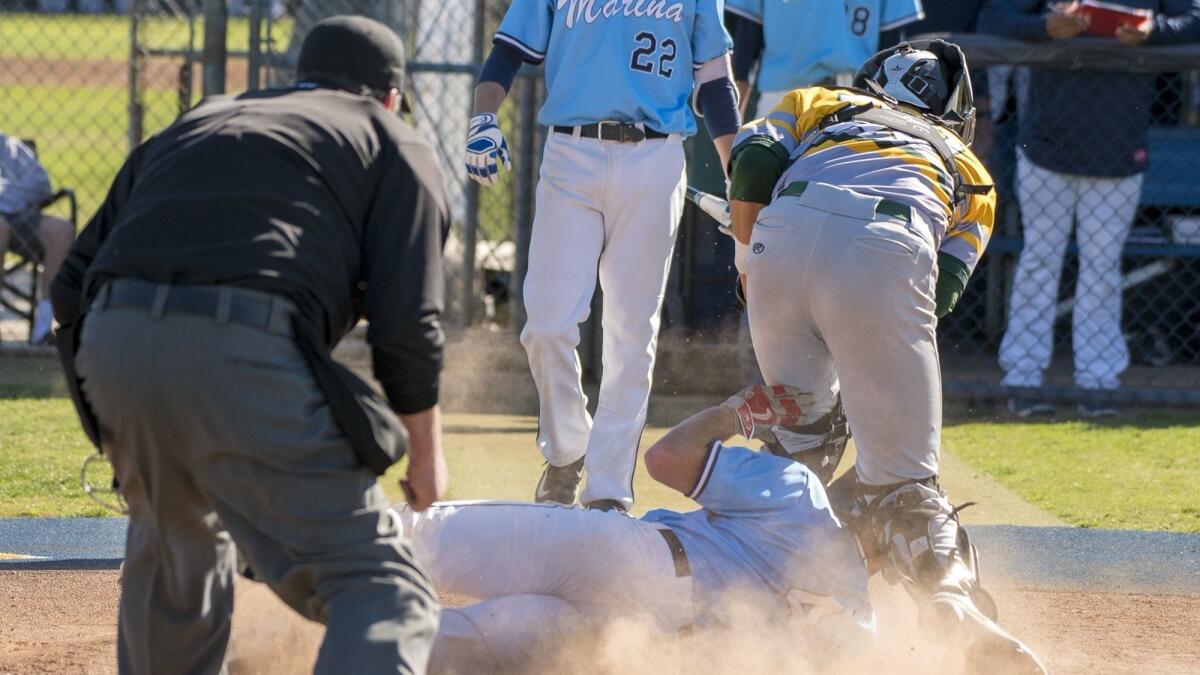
{"points": [[547, 576], [621, 79], [860, 214]]}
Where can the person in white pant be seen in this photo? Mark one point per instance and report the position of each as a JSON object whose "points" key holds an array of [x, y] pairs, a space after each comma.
{"points": [[802, 43], [621, 81], [1083, 141], [860, 215], [547, 577], [1103, 210]]}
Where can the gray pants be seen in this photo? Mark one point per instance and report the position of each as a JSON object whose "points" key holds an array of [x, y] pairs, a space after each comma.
{"points": [[218, 434], [839, 297]]}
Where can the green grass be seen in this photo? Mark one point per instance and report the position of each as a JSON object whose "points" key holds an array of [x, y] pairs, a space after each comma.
{"points": [[1139, 472], [1136, 473], [41, 450], [68, 36]]}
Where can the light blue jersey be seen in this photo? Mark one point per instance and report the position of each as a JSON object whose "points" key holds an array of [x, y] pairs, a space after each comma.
{"points": [[807, 41], [624, 60], [767, 523]]}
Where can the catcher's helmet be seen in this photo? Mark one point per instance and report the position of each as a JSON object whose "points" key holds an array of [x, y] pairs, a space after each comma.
{"points": [[928, 74]]}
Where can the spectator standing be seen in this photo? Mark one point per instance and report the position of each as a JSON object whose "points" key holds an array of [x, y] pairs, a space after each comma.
{"points": [[24, 187], [1081, 158]]}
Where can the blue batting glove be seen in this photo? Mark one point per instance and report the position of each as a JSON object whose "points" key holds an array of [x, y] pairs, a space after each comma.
{"points": [[486, 145]]}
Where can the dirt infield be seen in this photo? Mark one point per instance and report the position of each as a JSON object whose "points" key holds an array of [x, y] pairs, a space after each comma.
{"points": [[64, 622]]}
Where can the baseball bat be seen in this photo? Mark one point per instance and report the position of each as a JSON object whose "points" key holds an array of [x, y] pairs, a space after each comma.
{"points": [[714, 206]]}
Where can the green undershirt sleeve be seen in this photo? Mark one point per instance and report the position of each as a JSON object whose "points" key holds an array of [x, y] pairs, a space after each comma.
{"points": [[757, 164], [952, 279]]}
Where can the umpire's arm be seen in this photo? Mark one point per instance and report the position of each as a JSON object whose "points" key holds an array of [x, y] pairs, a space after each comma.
{"points": [[402, 267]]}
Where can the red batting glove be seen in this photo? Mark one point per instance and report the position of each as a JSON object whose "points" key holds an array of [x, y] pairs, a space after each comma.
{"points": [[760, 407]]}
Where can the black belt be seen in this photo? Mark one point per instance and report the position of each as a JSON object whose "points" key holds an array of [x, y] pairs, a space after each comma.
{"points": [[682, 568], [885, 207], [621, 132], [224, 304]]}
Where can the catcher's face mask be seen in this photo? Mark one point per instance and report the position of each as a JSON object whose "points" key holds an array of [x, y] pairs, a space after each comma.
{"points": [[953, 106]]}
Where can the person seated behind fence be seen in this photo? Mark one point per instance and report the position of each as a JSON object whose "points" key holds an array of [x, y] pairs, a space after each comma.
{"points": [[24, 186], [1082, 155]]}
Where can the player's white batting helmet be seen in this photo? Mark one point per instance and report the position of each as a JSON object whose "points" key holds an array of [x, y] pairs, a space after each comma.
{"points": [[928, 74]]}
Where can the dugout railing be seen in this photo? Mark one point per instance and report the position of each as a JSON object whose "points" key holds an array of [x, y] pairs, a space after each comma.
{"points": [[993, 340]]}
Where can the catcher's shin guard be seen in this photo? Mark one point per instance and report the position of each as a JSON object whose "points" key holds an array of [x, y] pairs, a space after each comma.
{"points": [[914, 529]]}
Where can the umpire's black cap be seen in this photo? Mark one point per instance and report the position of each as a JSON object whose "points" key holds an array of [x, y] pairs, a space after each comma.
{"points": [[354, 53]]}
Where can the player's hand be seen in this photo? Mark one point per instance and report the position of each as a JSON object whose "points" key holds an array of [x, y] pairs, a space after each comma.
{"points": [[426, 481], [486, 148], [1133, 35], [760, 407], [1063, 23]]}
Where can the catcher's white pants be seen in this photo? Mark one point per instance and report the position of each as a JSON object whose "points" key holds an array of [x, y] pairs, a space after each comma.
{"points": [[838, 299], [1103, 211], [612, 210], [543, 575]]}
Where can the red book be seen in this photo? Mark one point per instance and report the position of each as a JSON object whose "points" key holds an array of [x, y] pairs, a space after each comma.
{"points": [[1106, 17]]}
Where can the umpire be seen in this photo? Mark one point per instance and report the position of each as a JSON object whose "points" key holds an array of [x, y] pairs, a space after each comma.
{"points": [[199, 306]]}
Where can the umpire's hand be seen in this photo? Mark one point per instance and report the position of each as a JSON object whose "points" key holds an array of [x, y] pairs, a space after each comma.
{"points": [[427, 475]]}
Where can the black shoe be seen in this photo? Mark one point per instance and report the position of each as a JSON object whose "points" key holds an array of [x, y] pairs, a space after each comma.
{"points": [[1095, 410], [1028, 407], [606, 505], [559, 484]]}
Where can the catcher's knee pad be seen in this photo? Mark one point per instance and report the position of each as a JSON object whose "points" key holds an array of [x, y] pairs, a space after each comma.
{"points": [[916, 530], [819, 445]]}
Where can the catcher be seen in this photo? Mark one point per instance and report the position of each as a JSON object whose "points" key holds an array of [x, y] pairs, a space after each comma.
{"points": [[860, 214], [548, 576]]}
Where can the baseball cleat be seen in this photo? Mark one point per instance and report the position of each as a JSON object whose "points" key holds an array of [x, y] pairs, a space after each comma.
{"points": [[1026, 408], [606, 505], [989, 648], [1098, 410], [559, 484]]}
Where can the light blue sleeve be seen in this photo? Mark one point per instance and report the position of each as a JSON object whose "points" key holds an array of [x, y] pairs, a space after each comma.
{"points": [[526, 27], [709, 37], [738, 480], [896, 13], [747, 9]]}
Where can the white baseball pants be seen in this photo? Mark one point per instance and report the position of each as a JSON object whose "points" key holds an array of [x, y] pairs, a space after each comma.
{"points": [[1103, 211], [543, 575], [840, 299], [609, 210]]}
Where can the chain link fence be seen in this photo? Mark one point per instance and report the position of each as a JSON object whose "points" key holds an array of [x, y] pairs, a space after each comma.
{"points": [[447, 42], [1090, 289], [81, 81]]}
